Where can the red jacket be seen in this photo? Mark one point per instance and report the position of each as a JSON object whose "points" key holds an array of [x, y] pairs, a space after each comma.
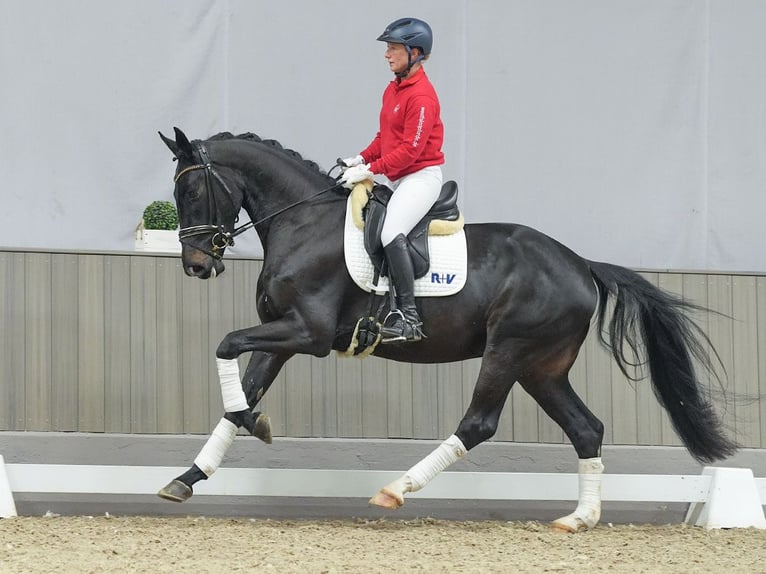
{"points": [[411, 131]]}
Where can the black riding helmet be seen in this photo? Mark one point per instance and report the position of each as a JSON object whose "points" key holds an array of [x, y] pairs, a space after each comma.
{"points": [[412, 33]]}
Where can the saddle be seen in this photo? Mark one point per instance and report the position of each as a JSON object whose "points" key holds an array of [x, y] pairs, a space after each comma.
{"points": [[369, 204]]}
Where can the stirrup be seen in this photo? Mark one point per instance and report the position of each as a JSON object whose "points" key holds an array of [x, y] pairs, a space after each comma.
{"points": [[397, 332]]}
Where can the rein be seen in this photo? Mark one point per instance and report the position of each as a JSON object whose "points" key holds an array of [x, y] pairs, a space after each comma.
{"points": [[220, 239]]}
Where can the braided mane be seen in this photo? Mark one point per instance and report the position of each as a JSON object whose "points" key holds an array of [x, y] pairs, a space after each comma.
{"points": [[249, 136]]}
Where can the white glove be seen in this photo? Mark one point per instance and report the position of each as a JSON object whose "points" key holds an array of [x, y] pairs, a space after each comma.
{"points": [[354, 175], [353, 161]]}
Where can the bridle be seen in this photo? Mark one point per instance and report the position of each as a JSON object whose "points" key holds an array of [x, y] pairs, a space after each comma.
{"points": [[220, 238]]}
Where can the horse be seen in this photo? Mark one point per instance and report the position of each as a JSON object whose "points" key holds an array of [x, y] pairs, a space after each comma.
{"points": [[525, 310]]}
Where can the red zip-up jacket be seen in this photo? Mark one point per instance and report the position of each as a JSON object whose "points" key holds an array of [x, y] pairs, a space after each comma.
{"points": [[411, 131]]}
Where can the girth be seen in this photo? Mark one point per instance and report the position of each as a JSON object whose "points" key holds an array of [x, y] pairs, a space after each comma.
{"points": [[445, 209]]}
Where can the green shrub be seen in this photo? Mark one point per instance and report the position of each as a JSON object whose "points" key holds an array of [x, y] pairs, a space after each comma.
{"points": [[161, 215]]}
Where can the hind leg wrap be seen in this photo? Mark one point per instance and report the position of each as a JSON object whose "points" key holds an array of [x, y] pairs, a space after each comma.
{"points": [[448, 452], [588, 511]]}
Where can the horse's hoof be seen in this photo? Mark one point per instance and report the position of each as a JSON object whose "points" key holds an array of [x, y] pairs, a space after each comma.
{"points": [[569, 525], [176, 491], [262, 428], [387, 499], [562, 528]]}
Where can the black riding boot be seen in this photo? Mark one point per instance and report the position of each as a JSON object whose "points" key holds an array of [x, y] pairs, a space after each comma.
{"points": [[403, 324]]}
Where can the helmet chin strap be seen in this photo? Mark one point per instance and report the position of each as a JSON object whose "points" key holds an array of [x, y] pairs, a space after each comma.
{"points": [[410, 62]]}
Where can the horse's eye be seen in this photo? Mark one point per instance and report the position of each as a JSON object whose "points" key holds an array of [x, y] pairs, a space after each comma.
{"points": [[192, 193]]}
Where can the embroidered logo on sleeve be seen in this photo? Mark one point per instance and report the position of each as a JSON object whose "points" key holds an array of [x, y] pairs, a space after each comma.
{"points": [[419, 132]]}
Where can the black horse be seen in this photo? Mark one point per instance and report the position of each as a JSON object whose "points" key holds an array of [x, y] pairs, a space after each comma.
{"points": [[525, 309]]}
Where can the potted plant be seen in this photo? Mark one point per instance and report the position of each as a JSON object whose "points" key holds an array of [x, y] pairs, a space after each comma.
{"points": [[158, 229]]}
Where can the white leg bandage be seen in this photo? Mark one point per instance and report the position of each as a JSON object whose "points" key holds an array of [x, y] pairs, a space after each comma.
{"points": [[209, 458], [588, 511], [451, 450], [231, 388]]}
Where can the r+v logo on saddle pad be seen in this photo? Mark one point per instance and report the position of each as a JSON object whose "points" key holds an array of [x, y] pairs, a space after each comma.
{"points": [[446, 278]]}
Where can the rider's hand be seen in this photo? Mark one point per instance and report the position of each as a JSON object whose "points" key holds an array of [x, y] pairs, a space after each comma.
{"points": [[354, 175], [353, 161]]}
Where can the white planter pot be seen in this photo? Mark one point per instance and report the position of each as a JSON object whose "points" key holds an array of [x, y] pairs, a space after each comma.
{"points": [[157, 240]]}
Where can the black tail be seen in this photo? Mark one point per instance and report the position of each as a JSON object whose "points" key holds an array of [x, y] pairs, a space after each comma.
{"points": [[656, 327]]}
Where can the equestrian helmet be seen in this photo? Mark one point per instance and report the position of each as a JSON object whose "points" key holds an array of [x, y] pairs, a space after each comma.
{"points": [[411, 32]]}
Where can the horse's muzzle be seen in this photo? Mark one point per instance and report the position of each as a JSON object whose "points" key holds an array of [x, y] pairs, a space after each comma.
{"points": [[199, 264]]}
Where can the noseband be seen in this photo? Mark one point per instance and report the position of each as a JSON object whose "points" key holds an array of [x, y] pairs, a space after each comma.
{"points": [[220, 239]]}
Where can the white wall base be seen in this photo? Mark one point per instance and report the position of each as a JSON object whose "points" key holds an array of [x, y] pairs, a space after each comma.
{"points": [[720, 497], [7, 506], [733, 501]]}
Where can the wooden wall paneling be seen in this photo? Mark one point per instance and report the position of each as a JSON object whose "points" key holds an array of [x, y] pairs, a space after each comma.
{"points": [[399, 401], [117, 344], [38, 393], [126, 343], [7, 395], [425, 402], [12, 342], [170, 412], [349, 385], [143, 345], [324, 395], [90, 343], [375, 397], [525, 415], [449, 397], [761, 353], [66, 381], [298, 397], [195, 356]]}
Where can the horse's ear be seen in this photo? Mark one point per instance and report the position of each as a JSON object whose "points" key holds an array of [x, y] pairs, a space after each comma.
{"points": [[183, 143], [172, 146]]}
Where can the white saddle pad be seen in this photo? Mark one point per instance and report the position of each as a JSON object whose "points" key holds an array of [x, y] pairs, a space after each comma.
{"points": [[446, 276]]}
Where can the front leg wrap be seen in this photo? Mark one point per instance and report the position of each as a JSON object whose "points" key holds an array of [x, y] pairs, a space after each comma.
{"points": [[209, 458], [231, 387], [211, 455], [588, 511]]}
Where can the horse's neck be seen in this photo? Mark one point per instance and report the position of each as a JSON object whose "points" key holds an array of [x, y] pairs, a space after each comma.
{"points": [[286, 206]]}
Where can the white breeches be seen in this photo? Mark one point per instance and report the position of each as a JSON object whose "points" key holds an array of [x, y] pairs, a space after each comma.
{"points": [[414, 194]]}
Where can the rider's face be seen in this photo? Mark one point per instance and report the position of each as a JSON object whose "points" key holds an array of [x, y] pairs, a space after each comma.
{"points": [[396, 55]]}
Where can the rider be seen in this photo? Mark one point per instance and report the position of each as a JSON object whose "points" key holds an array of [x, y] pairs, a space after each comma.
{"points": [[407, 150]]}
